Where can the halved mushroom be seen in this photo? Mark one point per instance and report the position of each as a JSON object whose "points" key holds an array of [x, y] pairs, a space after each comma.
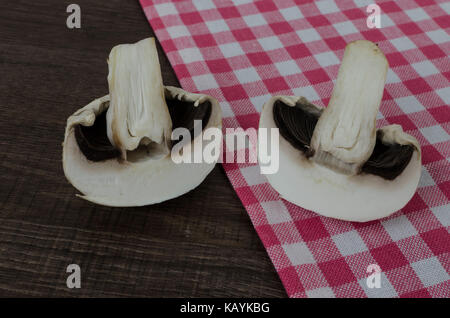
{"points": [[116, 149], [333, 160]]}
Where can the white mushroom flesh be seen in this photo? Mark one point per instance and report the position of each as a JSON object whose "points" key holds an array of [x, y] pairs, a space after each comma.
{"points": [[345, 134], [134, 183], [138, 114]]}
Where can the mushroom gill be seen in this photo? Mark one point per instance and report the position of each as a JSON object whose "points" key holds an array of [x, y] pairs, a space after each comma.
{"points": [[94, 143], [297, 123]]}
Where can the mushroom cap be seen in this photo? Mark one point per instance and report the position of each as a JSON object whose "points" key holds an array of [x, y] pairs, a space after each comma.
{"points": [[360, 198], [115, 182]]}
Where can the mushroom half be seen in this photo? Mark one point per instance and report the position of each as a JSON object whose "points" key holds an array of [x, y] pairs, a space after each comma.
{"points": [[117, 149], [333, 160]]}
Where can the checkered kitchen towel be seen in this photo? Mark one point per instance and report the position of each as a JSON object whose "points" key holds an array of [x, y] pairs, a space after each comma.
{"points": [[243, 51]]}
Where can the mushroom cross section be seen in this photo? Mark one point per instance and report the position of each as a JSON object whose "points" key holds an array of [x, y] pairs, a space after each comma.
{"points": [[117, 149], [333, 160]]}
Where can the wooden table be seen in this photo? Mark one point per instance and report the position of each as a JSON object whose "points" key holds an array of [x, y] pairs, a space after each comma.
{"points": [[199, 245]]}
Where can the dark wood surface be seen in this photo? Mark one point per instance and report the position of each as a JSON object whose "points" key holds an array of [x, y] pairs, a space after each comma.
{"points": [[199, 245]]}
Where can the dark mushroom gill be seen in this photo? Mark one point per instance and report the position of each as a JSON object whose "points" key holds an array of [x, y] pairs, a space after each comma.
{"points": [[94, 143], [388, 160], [183, 114], [93, 140], [296, 124]]}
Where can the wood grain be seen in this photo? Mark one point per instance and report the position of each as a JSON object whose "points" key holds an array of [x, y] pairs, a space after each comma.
{"points": [[199, 245]]}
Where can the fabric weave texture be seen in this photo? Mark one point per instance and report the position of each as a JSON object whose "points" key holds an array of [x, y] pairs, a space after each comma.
{"points": [[242, 52]]}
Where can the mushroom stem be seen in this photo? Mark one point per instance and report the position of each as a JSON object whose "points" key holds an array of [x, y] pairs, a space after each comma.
{"points": [[138, 113], [345, 134]]}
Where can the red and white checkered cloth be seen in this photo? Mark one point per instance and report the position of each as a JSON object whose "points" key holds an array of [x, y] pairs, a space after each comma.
{"points": [[243, 51]]}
